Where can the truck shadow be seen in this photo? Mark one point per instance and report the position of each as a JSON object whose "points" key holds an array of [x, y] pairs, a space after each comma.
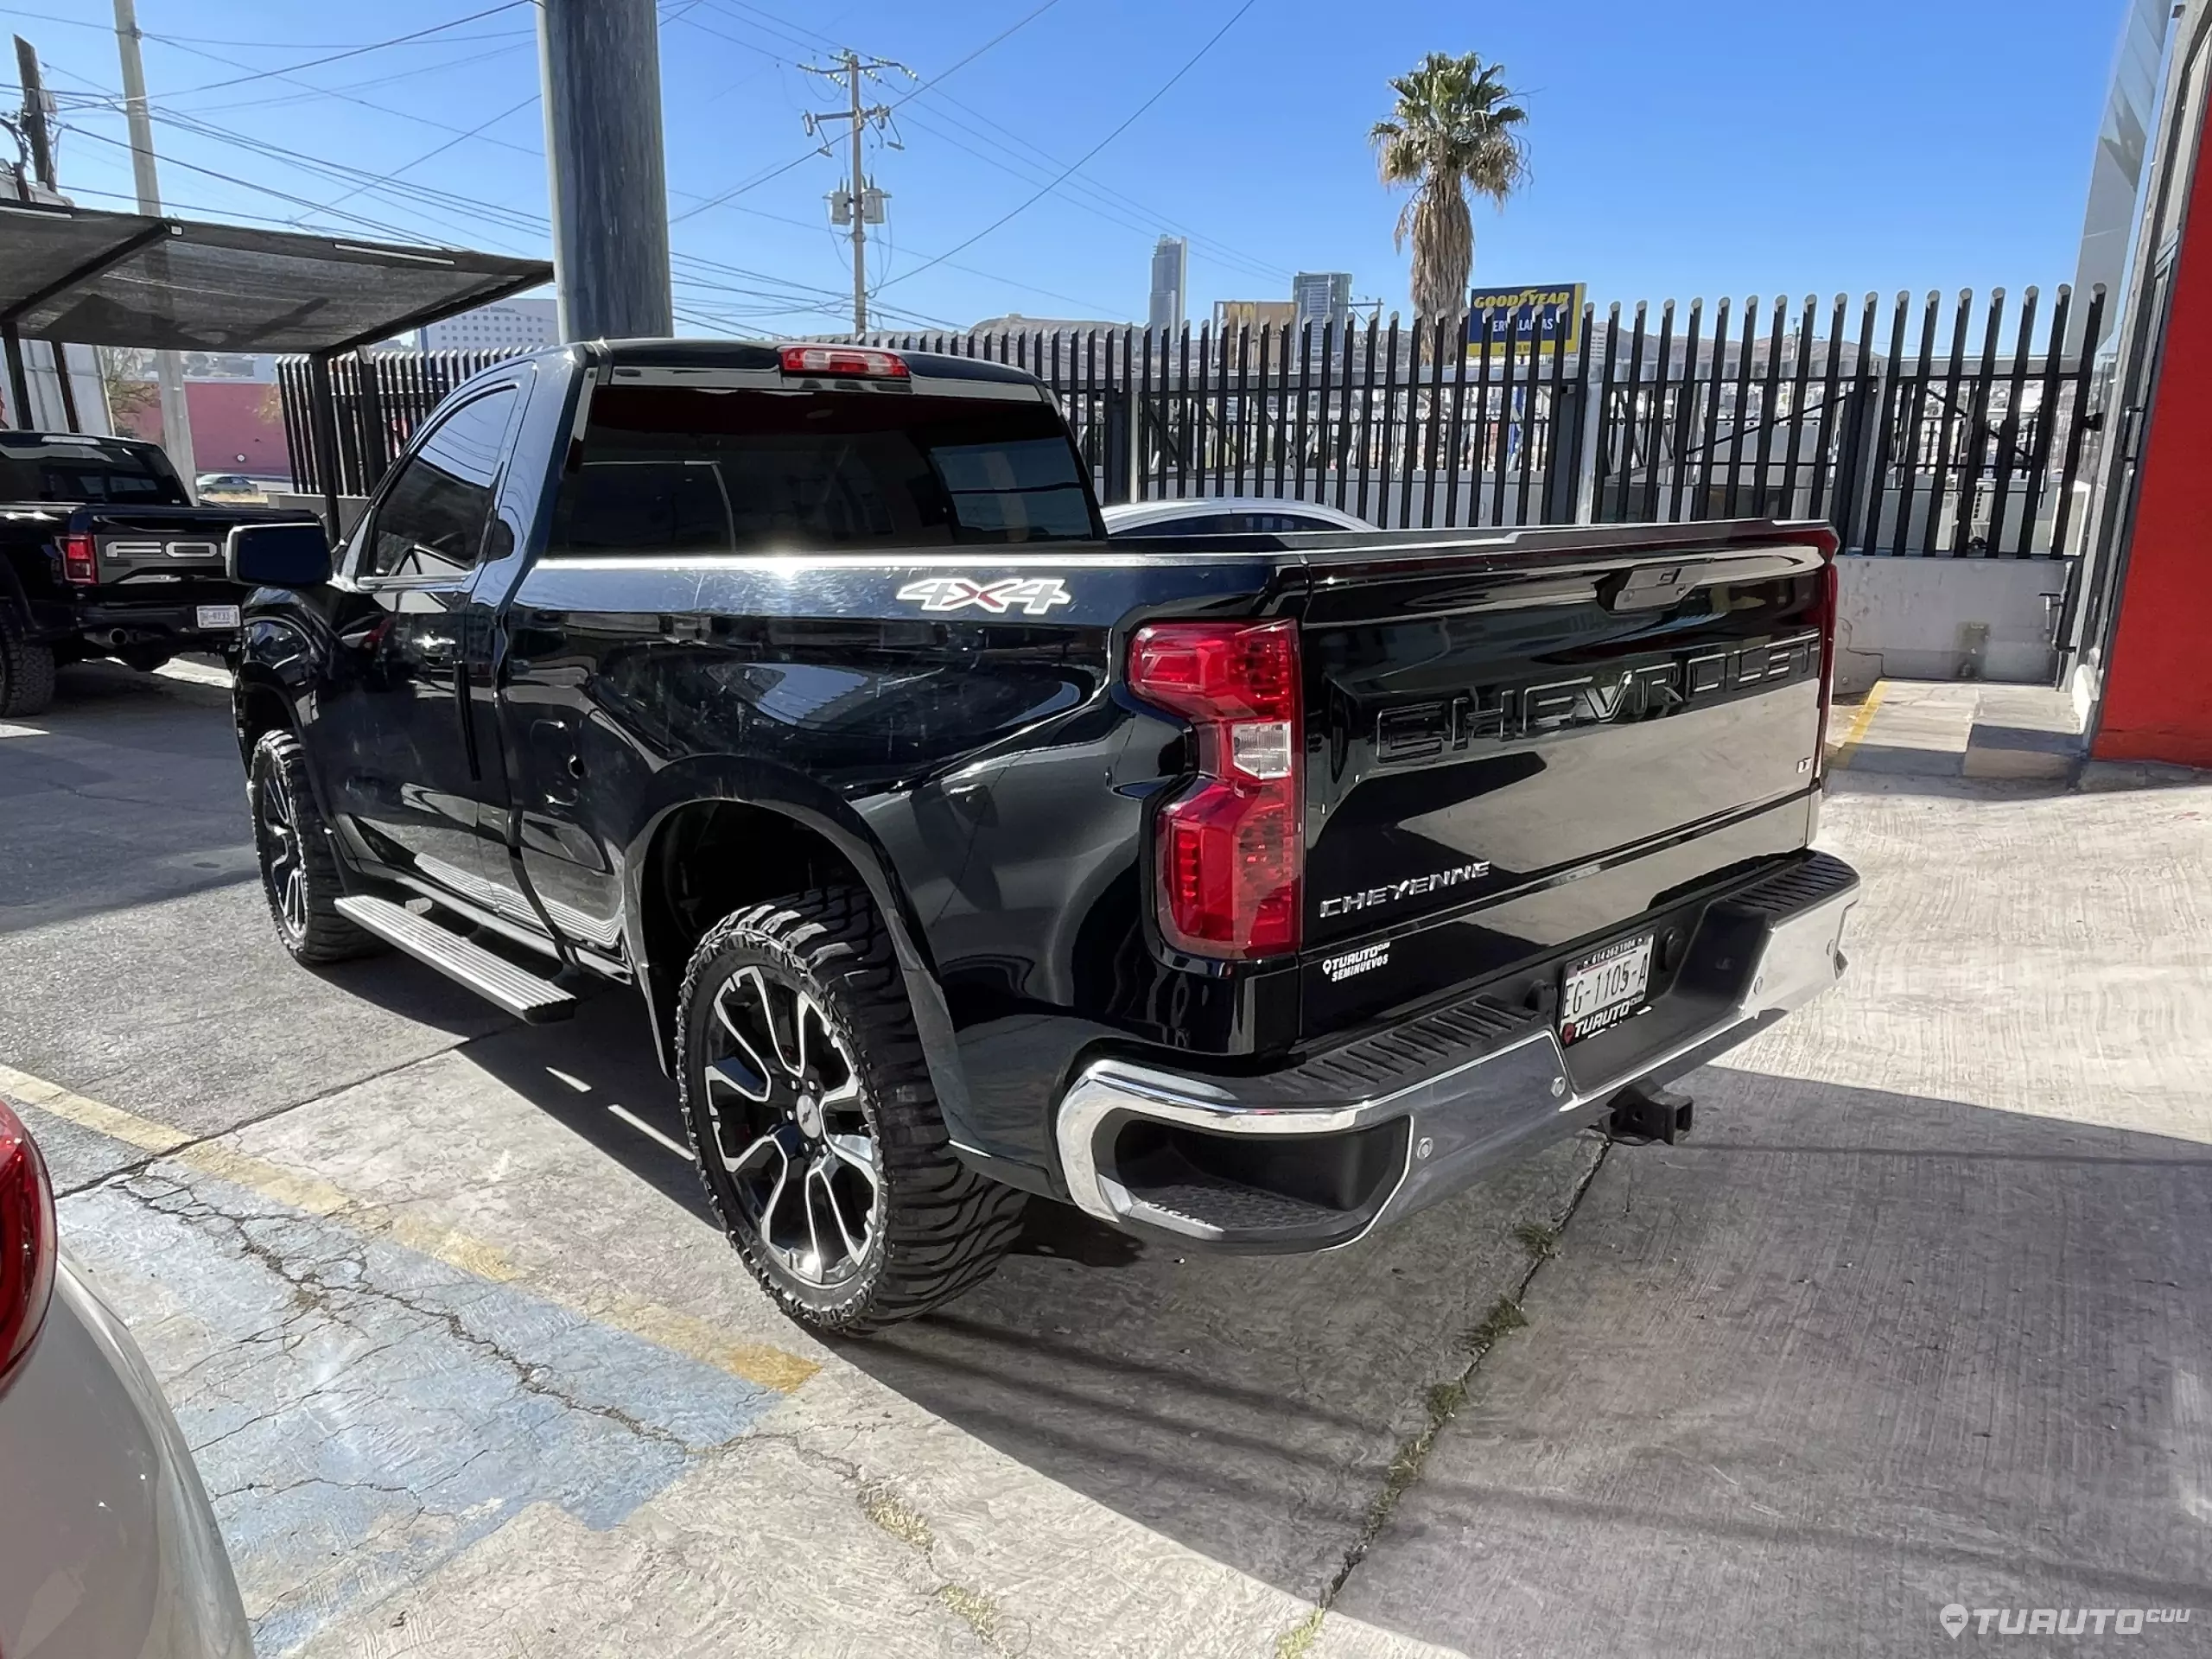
{"points": [[1247, 1406], [1871, 1298], [1251, 1409]]}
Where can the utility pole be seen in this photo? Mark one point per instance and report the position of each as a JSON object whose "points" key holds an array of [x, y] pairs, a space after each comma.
{"points": [[34, 128], [860, 203], [169, 367], [600, 64]]}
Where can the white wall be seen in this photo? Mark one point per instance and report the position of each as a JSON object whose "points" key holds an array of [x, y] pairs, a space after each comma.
{"points": [[1945, 620]]}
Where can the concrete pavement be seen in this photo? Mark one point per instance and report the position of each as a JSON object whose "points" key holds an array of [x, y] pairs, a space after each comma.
{"points": [[472, 1373], [1919, 1317]]}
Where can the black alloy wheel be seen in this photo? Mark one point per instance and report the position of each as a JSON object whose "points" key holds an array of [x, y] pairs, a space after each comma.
{"points": [[816, 1125], [299, 872]]}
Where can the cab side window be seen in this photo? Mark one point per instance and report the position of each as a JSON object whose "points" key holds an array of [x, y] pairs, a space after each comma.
{"points": [[431, 522]]}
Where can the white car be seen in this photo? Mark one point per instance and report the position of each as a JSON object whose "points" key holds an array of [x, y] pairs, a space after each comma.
{"points": [[230, 487], [1225, 515], [108, 1547]]}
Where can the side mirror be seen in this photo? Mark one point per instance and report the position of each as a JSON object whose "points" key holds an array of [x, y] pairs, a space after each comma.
{"points": [[277, 555]]}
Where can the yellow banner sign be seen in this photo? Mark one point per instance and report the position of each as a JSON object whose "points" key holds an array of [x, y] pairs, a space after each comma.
{"points": [[1541, 317]]}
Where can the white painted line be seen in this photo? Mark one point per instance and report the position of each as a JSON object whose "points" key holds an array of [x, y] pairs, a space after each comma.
{"points": [[650, 1132], [192, 673], [6, 730]]}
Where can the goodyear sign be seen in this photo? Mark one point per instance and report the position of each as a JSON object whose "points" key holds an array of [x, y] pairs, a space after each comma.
{"points": [[1550, 317]]}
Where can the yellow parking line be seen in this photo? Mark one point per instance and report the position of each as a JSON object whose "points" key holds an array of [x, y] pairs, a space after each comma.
{"points": [[1839, 752], [757, 1362], [110, 1121]]}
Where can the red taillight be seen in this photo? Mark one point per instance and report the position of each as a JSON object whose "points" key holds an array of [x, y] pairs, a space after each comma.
{"points": [[1231, 851], [27, 1239], [78, 562], [848, 361]]}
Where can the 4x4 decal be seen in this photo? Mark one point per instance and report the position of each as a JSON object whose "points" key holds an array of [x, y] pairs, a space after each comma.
{"points": [[1033, 595]]}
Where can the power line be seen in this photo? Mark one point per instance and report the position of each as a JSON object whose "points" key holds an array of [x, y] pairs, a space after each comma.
{"points": [[1189, 64], [754, 183], [786, 298], [718, 34], [1216, 248], [355, 52], [267, 190], [422, 197], [799, 35], [475, 210], [381, 109], [791, 302], [1104, 208], [944, 75], [310, 90], [406, 167], [258, 46], [419, 198]]}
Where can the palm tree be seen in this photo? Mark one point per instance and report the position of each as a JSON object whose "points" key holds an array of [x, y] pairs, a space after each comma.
{"points": [[1454, 129]]}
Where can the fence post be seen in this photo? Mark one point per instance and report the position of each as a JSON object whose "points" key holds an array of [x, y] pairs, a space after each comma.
{"points": [[1582, 469], [1856, 501], [323, 405], [1120, 447]]}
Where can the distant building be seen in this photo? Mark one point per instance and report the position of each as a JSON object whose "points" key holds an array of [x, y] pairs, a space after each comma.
{"points": [[237, 424], [1015, 323], [1321, 296], [503, 325], [1252, 313], [1170, 285]]}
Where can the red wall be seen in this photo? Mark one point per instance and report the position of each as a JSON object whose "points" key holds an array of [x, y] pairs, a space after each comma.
{"points": [[2158, 697], [227, 422]]}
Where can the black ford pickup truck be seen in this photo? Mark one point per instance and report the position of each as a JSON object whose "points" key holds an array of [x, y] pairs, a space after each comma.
{"points": [[102, 553], [1248, 892]]}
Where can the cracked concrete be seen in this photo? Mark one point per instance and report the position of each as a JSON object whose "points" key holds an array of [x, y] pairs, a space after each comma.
{"points": [[362, 1413]]}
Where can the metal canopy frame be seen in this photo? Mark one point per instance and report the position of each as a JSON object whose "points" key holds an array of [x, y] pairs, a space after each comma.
{"points": [[337, 263]]}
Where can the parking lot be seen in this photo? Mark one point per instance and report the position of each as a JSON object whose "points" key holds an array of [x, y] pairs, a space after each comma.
{"points": [[1919, 1317]]}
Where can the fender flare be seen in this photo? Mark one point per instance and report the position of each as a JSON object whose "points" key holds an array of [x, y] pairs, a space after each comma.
{"points": [[763, 786]]}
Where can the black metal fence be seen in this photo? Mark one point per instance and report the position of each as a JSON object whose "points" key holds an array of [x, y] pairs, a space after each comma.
{"points": [[380, 398], [1959, 429]]}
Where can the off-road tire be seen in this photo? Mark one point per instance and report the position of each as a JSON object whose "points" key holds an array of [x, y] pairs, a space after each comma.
{"points": [[314, 932], [943, 1227], [26, 671]]}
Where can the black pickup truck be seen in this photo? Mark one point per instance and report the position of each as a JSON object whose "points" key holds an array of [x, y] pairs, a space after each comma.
{"points": [[102, 553], [1249, 893]]}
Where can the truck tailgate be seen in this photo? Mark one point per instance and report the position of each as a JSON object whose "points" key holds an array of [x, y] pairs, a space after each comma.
{"points": [[1514, 752], [147, 545]]}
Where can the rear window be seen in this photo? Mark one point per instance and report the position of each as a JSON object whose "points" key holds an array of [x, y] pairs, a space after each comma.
{"points": [[680, 469], [88, 471]]}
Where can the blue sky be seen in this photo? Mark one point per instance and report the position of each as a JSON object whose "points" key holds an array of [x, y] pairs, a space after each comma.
{"points": [[1700, 147]]}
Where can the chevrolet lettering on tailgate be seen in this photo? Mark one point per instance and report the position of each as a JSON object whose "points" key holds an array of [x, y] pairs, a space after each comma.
{"points": [[1645, 691]]}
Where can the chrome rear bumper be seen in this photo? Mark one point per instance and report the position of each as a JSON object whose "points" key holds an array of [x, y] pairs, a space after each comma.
{"points": [[1765, 951]]}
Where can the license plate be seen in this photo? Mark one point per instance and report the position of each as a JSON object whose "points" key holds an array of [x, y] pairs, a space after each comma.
{"points": [[216, 616], [1605, 988]]}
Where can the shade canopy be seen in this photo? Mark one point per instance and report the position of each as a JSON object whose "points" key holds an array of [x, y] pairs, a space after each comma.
{"points": [[92, 278]]}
